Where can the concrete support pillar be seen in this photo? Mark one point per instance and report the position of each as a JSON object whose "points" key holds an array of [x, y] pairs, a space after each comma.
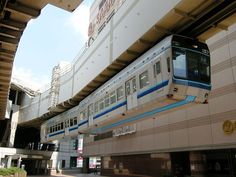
{"points": [[9, 161], [86, 165], [19, 162]]}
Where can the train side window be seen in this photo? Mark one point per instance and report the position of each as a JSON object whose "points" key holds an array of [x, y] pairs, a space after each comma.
{"points": [[71, 122], [143, 79], [120, 93], [112, 97], [50, 129], [107, 101], [168, 64], [101, 104], [65, 124], [90, 110], [62, 126], [134, 84], [75, 120], [127, 88], [82, 115], [96, 107], [157, 68], [58, 126]]}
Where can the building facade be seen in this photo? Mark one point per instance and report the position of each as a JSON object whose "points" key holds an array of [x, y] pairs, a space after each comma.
{"points": [[197, 140]]}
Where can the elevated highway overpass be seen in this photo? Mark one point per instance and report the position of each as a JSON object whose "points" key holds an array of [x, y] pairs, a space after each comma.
{"points": [[14, 15], [111, 51]]}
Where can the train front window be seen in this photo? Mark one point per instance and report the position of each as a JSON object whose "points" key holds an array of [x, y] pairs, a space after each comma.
{"points": [[191, 65], [179, 63]]}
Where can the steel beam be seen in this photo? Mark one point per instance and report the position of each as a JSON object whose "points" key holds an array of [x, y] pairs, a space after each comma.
{"points": [[22, 9], [12, 24]]}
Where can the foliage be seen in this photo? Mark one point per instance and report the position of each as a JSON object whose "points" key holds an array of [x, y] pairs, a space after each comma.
{"points": [[10, 171]]}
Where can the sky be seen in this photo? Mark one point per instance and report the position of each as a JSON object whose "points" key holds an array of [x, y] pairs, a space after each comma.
{"points": [[56, 35]]}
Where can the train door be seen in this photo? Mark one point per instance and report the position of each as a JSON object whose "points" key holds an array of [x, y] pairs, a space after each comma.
{"points": [[131, 93], [157, 71], [90, 114]]}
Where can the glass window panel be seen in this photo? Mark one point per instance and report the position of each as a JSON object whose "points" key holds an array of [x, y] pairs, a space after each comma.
{"points": [[158, 68], [90, 110], [179, 63], [83, 114], [204, 69], [168, 63], [96, 107], [112, 97], [143, 79], [101, 104], [107, 100], [75, 120], [127, 88], [71, 122], [134, 85], [119, 92]]}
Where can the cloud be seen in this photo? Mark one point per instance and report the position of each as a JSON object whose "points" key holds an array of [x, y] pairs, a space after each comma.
{"points": [[79, 20], [25, 78]]}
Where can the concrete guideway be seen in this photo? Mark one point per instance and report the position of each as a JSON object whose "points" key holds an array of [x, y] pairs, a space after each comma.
{"points": [[117, 52]]}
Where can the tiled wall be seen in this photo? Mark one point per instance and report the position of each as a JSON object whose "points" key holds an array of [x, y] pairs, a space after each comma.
{"points": [[194, 127]]}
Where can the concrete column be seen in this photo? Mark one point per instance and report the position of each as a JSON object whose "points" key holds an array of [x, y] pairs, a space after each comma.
{"points": [[9, 161], [86, 165], [19, 162]]}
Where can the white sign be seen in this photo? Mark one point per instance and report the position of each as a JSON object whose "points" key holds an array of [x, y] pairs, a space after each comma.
{"points": [[124, 130]]}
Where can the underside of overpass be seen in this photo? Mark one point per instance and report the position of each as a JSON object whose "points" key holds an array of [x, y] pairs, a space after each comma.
{"points": [[14, 15], [197, 19]]}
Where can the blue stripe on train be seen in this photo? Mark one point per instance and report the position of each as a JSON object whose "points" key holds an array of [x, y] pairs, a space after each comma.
{"points": [[82, 123], [150, 90], [187, 100], [110, 109], [154, 88], [56, 133], [73, 128], [192, 83]]}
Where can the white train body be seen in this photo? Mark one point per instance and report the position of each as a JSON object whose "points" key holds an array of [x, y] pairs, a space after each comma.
{"points": [[173, 73]]}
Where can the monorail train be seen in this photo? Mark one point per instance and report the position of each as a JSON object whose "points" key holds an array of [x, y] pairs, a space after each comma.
{"points": [[174, 73]]}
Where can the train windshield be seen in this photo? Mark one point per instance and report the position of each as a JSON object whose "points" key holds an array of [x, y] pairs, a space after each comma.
{"points": [[191, 65]]}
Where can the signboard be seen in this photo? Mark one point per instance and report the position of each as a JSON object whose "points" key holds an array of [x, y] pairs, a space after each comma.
{"points": [[124, 130], [229, 127], [100, 14]]}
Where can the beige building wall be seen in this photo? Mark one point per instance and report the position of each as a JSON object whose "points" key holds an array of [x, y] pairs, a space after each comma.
{"points": [[192, 128]]}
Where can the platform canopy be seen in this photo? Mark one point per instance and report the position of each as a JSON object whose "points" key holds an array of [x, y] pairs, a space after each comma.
{"points": [[14, 15]]}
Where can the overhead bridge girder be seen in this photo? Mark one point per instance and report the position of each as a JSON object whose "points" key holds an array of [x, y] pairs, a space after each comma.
{"points": [[12, 24], [22, 9], [221, 10]]}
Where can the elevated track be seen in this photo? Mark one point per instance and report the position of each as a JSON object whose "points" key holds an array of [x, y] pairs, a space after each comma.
{"points": [[197, 19]]}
